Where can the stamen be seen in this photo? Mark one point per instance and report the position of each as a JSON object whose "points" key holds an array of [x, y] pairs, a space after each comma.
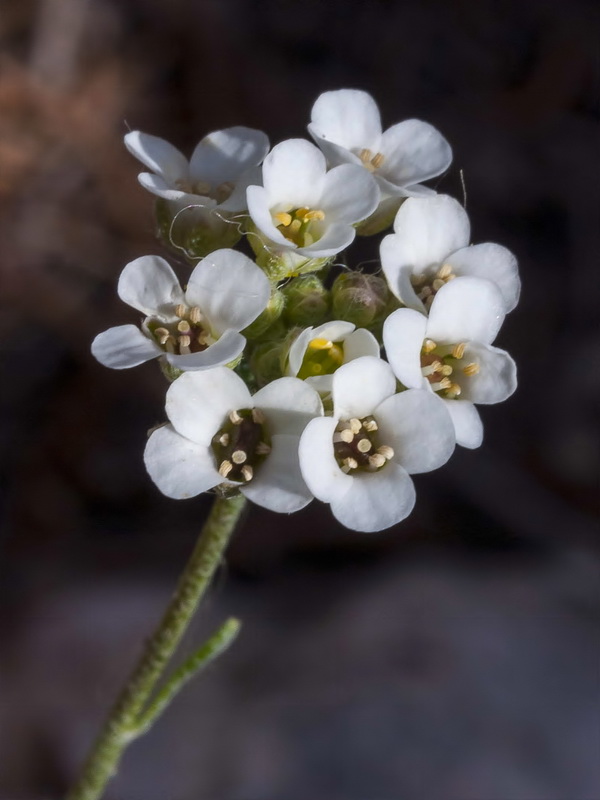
{"points": [[225, 468], [377, 160], [344, 436], [365, 155], [444, 271], [453, 391], [239, 456], [425, 292], [185, 341], [314, 214], [195, 315], [471, 369], [445, 383], [235, 418], [417, 279], [247, 472], [262, 449], [431, 369], [370, 426], [283, 218], [180, 310], [429, 345], [258, 416], [169, 344], [364, 445], [184, 326], [437, 284], [458, 350], [355, 425], [295, 226], [202, 187], [377, 460], [386, 451], [224, 439], [446, 370], [350, 462]]}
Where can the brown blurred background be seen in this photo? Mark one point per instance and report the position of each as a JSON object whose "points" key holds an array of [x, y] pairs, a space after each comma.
{"points": [[456, 657]]}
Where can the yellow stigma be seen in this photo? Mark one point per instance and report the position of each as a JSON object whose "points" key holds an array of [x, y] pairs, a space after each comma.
{"points": [[322, 357]]}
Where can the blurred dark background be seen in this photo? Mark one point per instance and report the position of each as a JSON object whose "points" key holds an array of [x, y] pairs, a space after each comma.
{"points": [[455, 657]]}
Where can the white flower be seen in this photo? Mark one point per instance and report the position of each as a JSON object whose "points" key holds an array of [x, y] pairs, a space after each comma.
{"points": [[194, 329], [302, 208], [347, 127], [219, 434], [316, 353], [430, 247], [450, 352], [216, 176], [360, 459]]}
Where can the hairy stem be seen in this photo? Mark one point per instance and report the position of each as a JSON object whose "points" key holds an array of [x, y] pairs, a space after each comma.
{"points": [[123, 723]]}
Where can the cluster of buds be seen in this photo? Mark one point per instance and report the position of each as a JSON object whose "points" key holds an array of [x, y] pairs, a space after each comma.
{"points": [[279, 386]]}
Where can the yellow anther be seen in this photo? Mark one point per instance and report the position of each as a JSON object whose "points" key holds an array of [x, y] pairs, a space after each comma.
{"points": [[429, 346], [247, 472], [370, 425], [346, 436], [184, 326], [283, 218], [258, 416], [444, 272], [471, 369], [417, 279], [235, 418], [425, 292], [239, 456], [446, 370], [202, 187], [386, 451], [355, 425], [437, 284], [195, 315], [364, 445], [181, 310], [351, 463], [320, 344], [431, 369], [185, 341], [377, 460], [377, 160], [445, 383], [365, 155], [224, 439], [314, 214], [225, 468], [458, 350], [453, 391]]}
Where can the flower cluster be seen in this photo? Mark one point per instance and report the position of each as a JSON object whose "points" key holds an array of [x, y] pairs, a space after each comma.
{"points": [[293, 376]]}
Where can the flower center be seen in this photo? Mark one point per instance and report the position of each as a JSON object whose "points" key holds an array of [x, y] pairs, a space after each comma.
{"points": [[300, 225], [241, 445], [427, 285], [439, 362], [356, 446], [187, 335], [220, 192], [322, 357], [369, 160]]}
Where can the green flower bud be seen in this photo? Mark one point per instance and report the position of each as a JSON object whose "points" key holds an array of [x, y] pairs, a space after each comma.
{"points": [[170, 372], [195, 231], [381, 218], [280, 264], [266, 362], [269, 316], [307, 301], [359, 298]]}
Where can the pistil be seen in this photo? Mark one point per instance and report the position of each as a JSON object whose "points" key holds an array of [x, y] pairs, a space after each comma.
{"points": [[241, 445]]}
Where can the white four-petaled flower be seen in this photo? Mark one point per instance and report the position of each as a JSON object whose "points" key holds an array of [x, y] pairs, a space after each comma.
{"points": [[304, 209], [219, 433], [429, 247], [347, 127], [450, 352], [198, 328], [360, 459], [221, 167]]}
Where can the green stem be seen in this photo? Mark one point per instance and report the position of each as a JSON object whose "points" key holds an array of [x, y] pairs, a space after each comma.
{"points": [[122, 725]]}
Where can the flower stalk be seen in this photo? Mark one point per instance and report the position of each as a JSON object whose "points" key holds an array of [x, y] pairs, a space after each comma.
{"points": [[133, 714]]}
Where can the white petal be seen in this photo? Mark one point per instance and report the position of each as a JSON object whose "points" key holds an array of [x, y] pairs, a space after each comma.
{"points": [[360, 342], [178, 467], [298, 351], [413, 152], [350, 194], [349, 118], [237, 199], [319, 468], [227, 348], [257, 201], [491, 261], [150, 285], [334, 153], [336, 331], [360, 386], [430, 228], [376, 500], [466, 309], [497, 376], [278, 483], [157, 154], [398, 268], [417, 190], [417, 426], [468, 427], [159, 186], [289, 404], [198, 403], [403, 335], [223, 155], [294, 174], [229, 288], [124, 346], [336, 238]]}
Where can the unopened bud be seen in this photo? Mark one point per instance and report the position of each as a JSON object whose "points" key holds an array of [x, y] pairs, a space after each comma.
{"points": [[266, 362], [267, 317], [381, 218], [307, 301], [359, 298], [195, 230]]}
